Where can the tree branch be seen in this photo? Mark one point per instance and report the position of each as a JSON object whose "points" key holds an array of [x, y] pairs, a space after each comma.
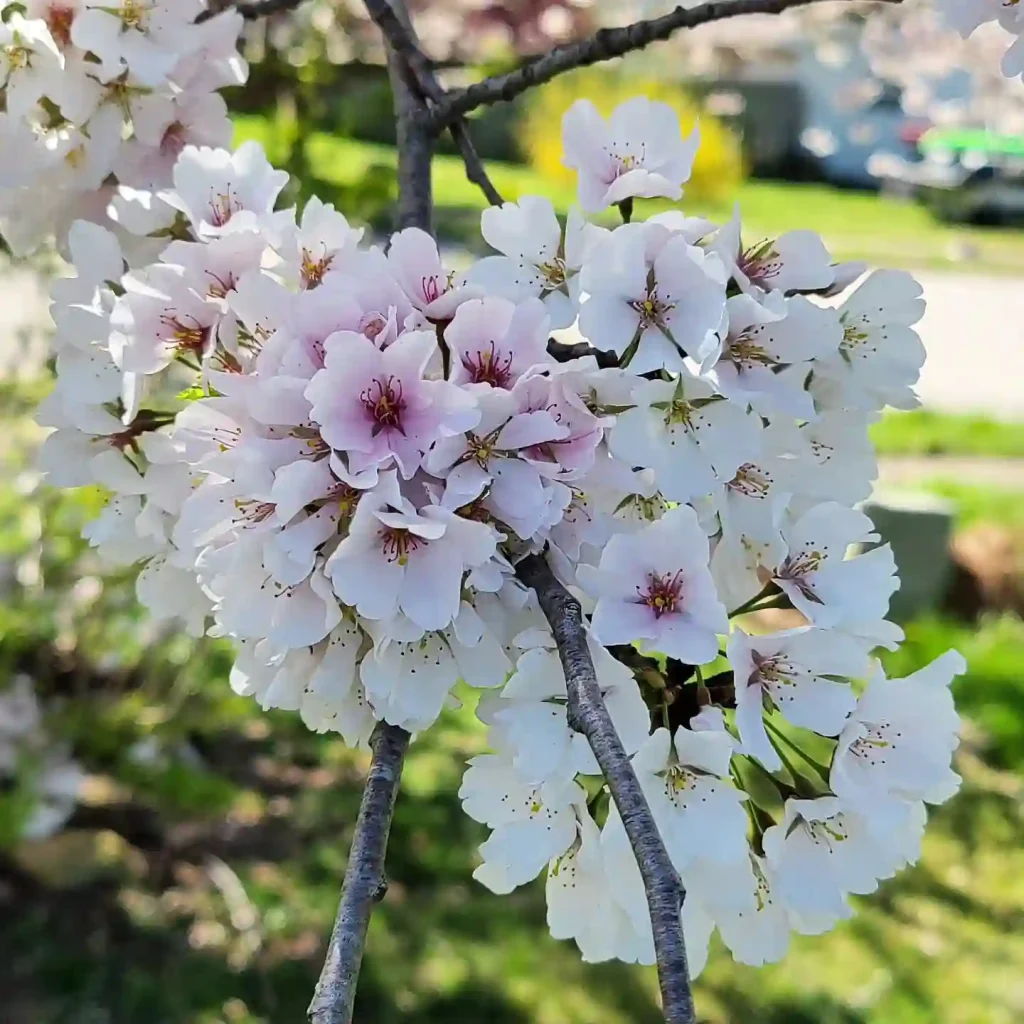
{"points": [[475, 170], [250, 10], [420, 76], [589, 715], [415, 139], [364, 880], [603, 45], [564, 353]]}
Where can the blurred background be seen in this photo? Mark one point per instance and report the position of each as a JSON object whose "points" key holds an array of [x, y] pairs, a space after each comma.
{"points": [[169, 853]]}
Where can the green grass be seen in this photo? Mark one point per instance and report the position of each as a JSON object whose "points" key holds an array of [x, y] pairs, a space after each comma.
{"points": [[855, 225], [923, 432], [998, 506]]}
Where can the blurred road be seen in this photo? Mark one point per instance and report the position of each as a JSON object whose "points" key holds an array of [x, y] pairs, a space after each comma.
{"points": [[973, 329], [974, 333]]}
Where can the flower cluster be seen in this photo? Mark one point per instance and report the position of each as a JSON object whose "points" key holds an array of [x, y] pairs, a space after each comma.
{"points": [[98, 98], [336, 454]]}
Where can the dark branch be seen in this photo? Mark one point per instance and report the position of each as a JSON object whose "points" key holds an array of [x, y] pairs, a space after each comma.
{"points": [[249, 10], [603, 45], [364, 880], [475, 170], [420, 77], [563, 353], [415, 140], [589, 715]]}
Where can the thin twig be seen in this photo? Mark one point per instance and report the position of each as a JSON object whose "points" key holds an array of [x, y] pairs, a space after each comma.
{"points": [[402, 40], [603, 45], [475, 170], [250, 10], [589, 715], [364, 880]]}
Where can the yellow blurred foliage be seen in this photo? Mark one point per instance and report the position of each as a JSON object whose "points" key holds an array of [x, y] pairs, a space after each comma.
{"points": [[717, 171]]}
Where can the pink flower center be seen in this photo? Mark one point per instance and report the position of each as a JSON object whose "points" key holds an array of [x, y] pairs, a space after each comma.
{"points": [[624, 163], [664, 594], [652, 309], [313, 270], [223, 206], [384, 403], [751, 481], [58, 20], [188, 335], [219, 287], [760, 262], [397, 544], [433, 287], [797, 567], [486, 366], [254, 511]]}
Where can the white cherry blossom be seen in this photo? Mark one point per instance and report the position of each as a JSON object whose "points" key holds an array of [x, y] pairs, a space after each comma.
{"points": [[539, 259], [794, 673], [531, 824], [651, 292], [830, 589], [638, 152], [219, 191], [900, 738], [400, 558], [691, 438], [654, 586], [880, 356], [796, 261]]}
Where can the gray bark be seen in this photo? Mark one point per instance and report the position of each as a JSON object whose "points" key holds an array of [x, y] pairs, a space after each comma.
{"points": [[364, 882], [588, 714]]}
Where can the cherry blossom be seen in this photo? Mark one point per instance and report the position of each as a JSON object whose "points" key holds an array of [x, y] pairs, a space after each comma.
{"points": [[400, 558], [795, 261], [821, 852], [831, 589], [900, 738], [539, 258], [880, 356], [220, 191], [653, 293], [684, 432], [639, 152], [378, 407], [494, 342], [654, 586], [794, 673]]}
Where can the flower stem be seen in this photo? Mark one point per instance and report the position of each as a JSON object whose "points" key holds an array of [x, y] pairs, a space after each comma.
{"points": [[819, 769]]}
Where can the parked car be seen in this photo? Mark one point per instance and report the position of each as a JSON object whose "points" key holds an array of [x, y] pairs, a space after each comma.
{"points": [[971, 175]]}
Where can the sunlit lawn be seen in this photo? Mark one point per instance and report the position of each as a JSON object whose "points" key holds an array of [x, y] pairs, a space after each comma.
{"points": [[855, 225], [924, 432]]}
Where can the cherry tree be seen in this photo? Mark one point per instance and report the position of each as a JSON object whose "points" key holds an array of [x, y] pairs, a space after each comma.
{"points": [[379, 476]]}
